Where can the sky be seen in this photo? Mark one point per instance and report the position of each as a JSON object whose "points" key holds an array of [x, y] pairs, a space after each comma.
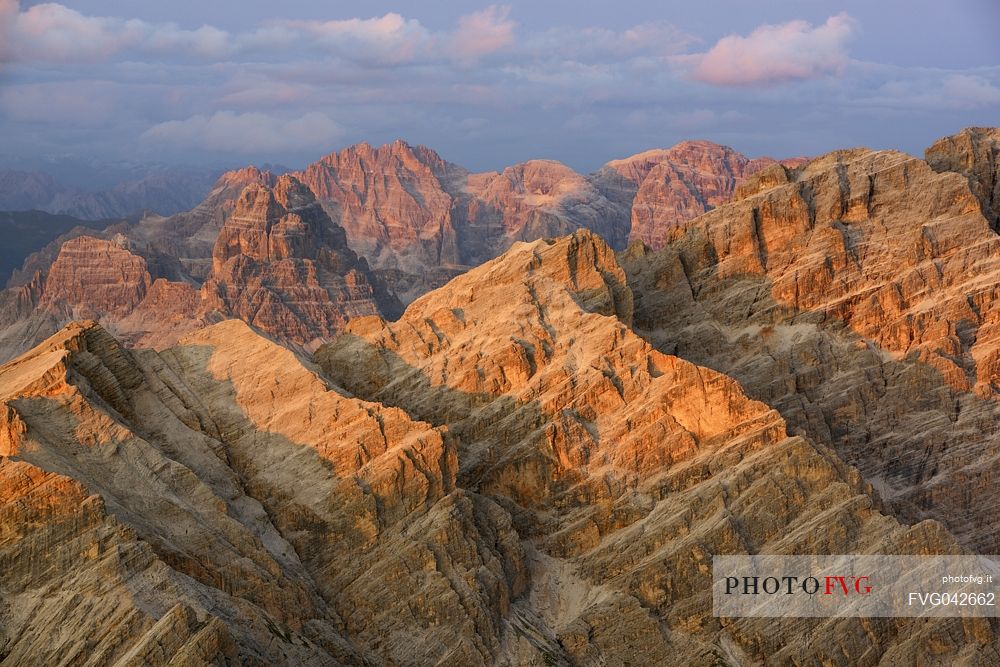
{"points": [[486, 85]]}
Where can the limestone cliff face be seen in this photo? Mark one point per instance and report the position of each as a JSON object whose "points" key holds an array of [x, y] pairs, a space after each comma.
{"points": [[573, 389], [857, 296], [974, 153], [189, 237], [280, 264], [93, 276], [218, 501], [623, 468], [534, 200], [665, 187], [536, 462], [418, 219], [392, 202], [414, 218], [108, 598], [103, 279]]}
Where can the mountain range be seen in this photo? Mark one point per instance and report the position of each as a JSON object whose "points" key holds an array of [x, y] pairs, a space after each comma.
{"points": [[402, 220], [385, 411], [166, 190]]}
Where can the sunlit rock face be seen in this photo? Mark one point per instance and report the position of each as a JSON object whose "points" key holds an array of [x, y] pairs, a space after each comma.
{"points": [[535, 462], [856, 296], [205, 521], [622, 468], [664, 187], [280, 264], [419, 219], [974, 153], [393, 203]]}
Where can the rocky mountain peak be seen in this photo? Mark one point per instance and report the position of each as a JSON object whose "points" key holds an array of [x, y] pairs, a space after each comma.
{"points": [[536, 462], [769, 177], [635, 168], [282, 264], [291, 193], [582, 265], [92, 277], [975, 153], [241, 178], [274, 222], [399, 154], [665, 187], [545, 178]]}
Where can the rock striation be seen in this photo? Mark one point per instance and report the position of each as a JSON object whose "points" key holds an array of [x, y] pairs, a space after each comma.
{"points": [[507, 475], [181, 511], [856, 296], [623, 469], [665, 187], [419, 220], [536, 461], [189, 237], [534, 200], [393, 202], [974, 153], [93, 277], [27, 232], [280, 264]]}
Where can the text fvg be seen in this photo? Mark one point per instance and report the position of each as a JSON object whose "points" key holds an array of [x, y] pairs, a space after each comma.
{"points": [[829, 585]]}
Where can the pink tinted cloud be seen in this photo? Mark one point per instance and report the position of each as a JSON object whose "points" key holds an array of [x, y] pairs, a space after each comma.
{"points": [[52, 32], [482, 33], [388, 39], [8, 16], [774, 54]]}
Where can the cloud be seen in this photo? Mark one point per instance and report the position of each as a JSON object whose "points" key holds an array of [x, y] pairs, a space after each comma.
{"points": [[8, 16], [969, 91], [75, 103], [774, 54], [248, 133], [52, 32], [389, 39], [70, 80], [932, 91], [656, 39], [255, 93], [482, 33]]}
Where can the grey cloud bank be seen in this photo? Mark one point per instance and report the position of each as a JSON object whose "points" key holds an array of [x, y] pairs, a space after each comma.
{"points": [[486, 85]]}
